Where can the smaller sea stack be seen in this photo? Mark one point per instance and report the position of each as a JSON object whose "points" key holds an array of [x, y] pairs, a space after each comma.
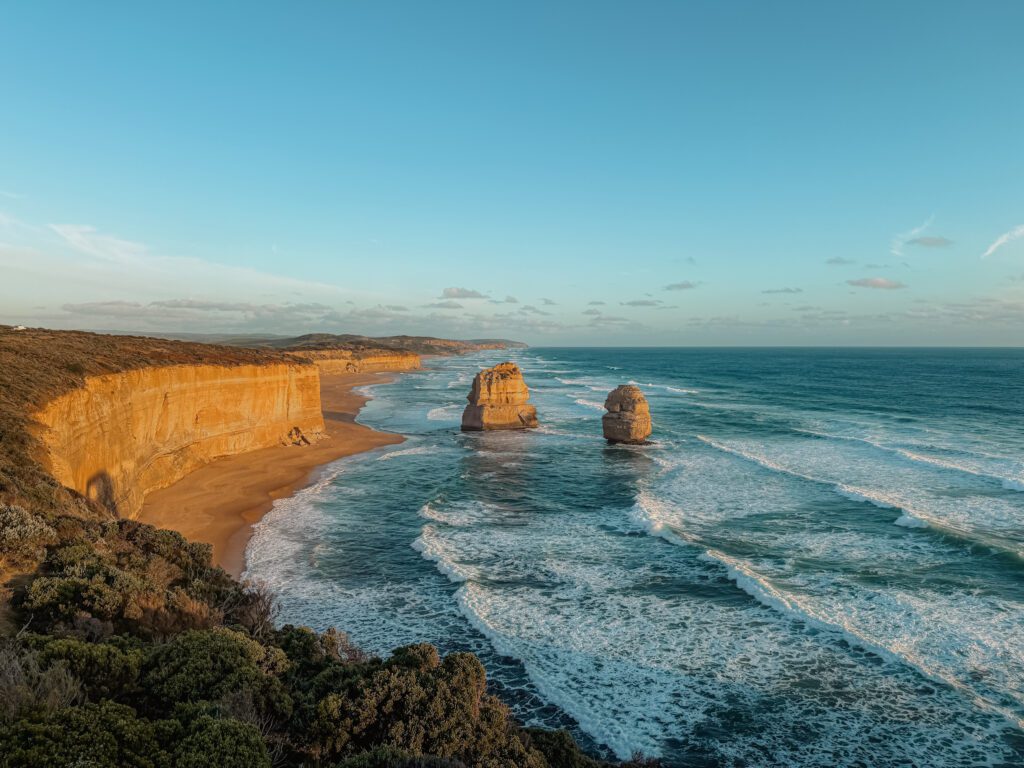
{"points": [[629, 417], [498, 400]]}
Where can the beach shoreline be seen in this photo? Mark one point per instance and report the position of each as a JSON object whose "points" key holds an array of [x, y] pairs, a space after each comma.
{"points": [[219, 503]]}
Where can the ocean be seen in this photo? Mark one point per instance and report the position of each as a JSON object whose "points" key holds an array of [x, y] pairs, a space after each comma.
{"points": [[819, 560]]}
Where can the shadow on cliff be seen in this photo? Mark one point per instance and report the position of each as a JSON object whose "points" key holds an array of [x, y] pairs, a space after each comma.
{"points": [[100, 488]]}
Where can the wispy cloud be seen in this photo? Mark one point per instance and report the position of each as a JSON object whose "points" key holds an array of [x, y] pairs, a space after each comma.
{"points": [[94, 243], [547, 302], [1003, 239], [839, 261], [529, 308], [685, 285], [880, 283], [73, 257], [640, 303], [902, 239], [444, 305], [783, 290], [594, 312], [461, 293], [595, 303], [10, 195]]}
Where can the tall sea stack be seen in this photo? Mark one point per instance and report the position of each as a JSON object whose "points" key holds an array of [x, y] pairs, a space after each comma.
{"points": [[629, 417], [498, 400]]}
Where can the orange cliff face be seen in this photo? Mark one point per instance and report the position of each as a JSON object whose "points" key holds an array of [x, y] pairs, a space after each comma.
{"points": [[334, 361], [123, 435]]}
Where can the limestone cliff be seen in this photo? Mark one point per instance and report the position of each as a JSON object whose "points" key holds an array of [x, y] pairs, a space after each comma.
{"points": [[122, 435], [333, 361], [629, 417], [498, 400]]}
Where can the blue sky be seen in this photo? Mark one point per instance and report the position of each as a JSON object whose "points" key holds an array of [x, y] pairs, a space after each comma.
{"points": [[798, 173]]}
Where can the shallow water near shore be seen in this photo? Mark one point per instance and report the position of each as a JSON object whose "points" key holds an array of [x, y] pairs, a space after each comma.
{"points": [[819, 561]]}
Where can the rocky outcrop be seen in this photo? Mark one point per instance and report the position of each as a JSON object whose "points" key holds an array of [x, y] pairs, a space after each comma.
{"points": [[334, 361], [498, 400], [629, 417], [125, 434]]}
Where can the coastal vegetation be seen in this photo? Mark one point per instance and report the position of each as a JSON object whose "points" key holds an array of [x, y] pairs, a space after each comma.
{"points": [[132, 650], [122, 645]]}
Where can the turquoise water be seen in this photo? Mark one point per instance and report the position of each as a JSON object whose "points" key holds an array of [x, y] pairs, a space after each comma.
{"points": [[818, 562]]}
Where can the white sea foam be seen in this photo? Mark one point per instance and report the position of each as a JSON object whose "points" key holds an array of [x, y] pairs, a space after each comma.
{"points": [[589, 642], [928, 632], [909, 521], [433, 547], [418, 450], [653, 517], [977, 463], [452, 412], [762, 590], [589, 404], [862, 477], [667, 388]]}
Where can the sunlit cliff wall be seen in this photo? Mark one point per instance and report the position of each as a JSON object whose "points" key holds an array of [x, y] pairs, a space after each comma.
{"points": [[125, 434], [332, 361]]}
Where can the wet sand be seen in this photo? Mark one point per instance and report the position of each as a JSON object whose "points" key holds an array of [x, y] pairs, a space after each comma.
{"points": [[219, 503]]}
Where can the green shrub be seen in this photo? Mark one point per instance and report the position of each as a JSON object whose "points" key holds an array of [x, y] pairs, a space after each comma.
{"points": [[221, 743], [105, 669], [28, 689], [560, 749], [207, 665], [104, 735], [23, 536], [389, 757], [423, 706]]}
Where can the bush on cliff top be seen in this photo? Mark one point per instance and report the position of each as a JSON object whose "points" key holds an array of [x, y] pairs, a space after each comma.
{"points": [[134, 651]]}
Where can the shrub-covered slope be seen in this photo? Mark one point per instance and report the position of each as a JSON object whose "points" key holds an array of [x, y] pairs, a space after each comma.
{"points": [[133, 651]]}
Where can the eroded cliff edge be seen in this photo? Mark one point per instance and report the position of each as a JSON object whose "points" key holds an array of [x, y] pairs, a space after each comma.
{"points": [[123, 435], [333, 361]]}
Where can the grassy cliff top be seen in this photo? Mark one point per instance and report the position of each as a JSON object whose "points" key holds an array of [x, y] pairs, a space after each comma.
{"points": [[38, 365]]}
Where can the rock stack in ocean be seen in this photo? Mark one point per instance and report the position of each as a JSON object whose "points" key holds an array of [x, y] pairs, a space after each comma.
{"points": [[498, 400], [629, 417]]}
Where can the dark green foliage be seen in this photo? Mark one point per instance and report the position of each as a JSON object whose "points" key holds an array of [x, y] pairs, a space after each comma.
{"points": [[104, 735], [210, 665], [128, 577], [222, 742], [133, 651], [106, 670], [560, 750], [28, 689], [389, 757]]}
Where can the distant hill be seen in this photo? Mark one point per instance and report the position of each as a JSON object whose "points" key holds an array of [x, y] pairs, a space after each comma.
{"points": [[421, 345]]}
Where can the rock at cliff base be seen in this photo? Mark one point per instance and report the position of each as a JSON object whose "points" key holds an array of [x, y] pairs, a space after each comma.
{"points": [[498, 400], [629, 417]]}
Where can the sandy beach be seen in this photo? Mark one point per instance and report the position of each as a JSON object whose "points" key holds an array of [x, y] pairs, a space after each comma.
{"points": [[220, 502]]}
